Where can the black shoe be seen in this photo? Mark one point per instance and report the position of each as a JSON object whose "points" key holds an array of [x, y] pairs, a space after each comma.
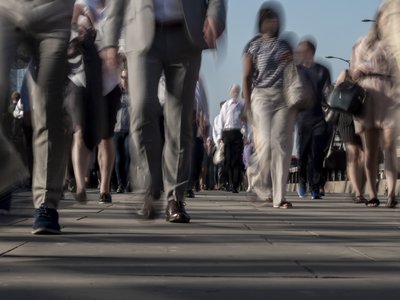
{"points": [[120, 189], [81, 197], [46, 221], [105, 198], [189, 194], [235, 190], [176, 213]]}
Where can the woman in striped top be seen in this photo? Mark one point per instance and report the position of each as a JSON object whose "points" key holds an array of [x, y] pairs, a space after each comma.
{"points": [[265, 58]]}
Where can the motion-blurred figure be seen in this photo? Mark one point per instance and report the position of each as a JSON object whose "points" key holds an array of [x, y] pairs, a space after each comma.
{"points": [[163, 36], [45, 26]]}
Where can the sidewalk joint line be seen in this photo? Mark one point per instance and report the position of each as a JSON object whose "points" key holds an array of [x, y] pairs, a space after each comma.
{"points": [[363, 254], [12, 249]]}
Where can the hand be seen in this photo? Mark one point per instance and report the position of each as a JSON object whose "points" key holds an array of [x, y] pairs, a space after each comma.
{"points": [[245, 112], [211, 33], [286, 57]]}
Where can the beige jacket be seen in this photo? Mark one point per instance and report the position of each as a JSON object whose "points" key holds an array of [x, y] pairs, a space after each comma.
{"points": [[139, 20]]}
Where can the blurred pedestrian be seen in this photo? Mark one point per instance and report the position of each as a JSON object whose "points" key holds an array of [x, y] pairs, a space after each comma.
{"points": [[354, 149], [373, 66], [45, 26], [200, 129], [312, 130], [230, 133], [121, 136], [265, 59], [164, 37]]}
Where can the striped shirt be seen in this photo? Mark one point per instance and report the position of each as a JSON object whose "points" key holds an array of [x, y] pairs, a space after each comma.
{"points": [[266, 55]]}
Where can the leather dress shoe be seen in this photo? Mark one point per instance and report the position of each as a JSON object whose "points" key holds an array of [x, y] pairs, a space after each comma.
{"points": [[176, 213]]}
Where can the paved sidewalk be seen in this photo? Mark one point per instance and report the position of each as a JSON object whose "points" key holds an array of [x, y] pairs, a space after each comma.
{"points": [[232, 249]]}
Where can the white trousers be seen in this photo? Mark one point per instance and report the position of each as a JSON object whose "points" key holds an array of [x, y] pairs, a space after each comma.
{"points": [[274, 124]]}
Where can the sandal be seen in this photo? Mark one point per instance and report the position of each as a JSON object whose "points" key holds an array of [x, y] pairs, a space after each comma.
{"points": [[392, 202], [284, 204], [374, 202], [359, 199]]}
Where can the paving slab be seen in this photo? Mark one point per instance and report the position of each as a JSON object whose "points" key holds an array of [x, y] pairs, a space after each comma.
{"points": [[234, 248]]}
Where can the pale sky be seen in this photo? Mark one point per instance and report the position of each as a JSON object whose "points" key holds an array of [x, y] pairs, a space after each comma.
{"points": [[335, 24]]}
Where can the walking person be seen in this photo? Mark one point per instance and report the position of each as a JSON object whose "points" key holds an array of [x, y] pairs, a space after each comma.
{"points": [[45, 26], [200, 128], [164, 37], [99, 114], [230, 133], [264, 60], [354, 149], [375, 69], [121, 137], [312, 129]]}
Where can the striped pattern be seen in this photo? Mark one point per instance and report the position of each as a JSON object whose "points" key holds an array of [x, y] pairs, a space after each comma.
{"points": [[267, 59]]}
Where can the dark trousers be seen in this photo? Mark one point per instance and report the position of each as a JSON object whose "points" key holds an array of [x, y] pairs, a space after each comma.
{"points": [[233, 152], [197, 163], [122, 159], [312, 141]]}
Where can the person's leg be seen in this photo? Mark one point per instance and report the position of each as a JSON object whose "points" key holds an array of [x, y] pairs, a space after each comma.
{"points": [[355, 170], [237, 160], [304, 147], [318, 145], [281, 152], [106, 157], [80, 156], [227, 163], [119, 152], [389, 147], [147, 139], [127, 160], [370, 139], [181, 75], [260, 162]]}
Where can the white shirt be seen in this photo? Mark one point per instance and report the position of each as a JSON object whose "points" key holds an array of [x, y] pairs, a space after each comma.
{"points": [[229, 117], [168, 10], [216, 129]]}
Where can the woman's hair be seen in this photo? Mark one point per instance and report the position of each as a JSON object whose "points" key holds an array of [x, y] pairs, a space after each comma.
{"points": [[270, 10]]}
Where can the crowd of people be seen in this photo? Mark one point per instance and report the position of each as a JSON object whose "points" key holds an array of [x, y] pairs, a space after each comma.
{"points": [[136, 113]]}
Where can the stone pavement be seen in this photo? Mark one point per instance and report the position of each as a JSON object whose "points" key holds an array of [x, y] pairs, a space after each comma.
{"points": [[232, 249]]}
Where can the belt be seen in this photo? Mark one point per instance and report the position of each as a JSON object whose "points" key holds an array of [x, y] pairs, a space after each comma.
{"points": [[169, 24]]}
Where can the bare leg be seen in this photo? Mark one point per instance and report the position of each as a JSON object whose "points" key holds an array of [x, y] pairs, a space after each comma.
{"points": [[389, 148], [80, 161], [355, 167], [370, 140], [106, 157]]}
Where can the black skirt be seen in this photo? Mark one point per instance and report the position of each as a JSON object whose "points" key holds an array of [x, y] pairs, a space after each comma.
{"points": [[347, 131]]}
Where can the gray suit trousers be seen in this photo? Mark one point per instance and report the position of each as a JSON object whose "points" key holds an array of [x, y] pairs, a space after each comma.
{"points": [[45, 26], [167, 162]]}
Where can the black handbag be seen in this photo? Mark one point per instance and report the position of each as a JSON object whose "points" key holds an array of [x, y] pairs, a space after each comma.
{"points": [[336, 159], [347, 97]]}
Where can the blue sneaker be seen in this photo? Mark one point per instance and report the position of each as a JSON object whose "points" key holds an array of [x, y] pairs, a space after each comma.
{"points": [[46, 221], [301, 190], [315, 196]]}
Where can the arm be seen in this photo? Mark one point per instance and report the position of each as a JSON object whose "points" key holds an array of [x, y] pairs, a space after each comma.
{"points": [[214, 23], [115, 10], [248, 71]]}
